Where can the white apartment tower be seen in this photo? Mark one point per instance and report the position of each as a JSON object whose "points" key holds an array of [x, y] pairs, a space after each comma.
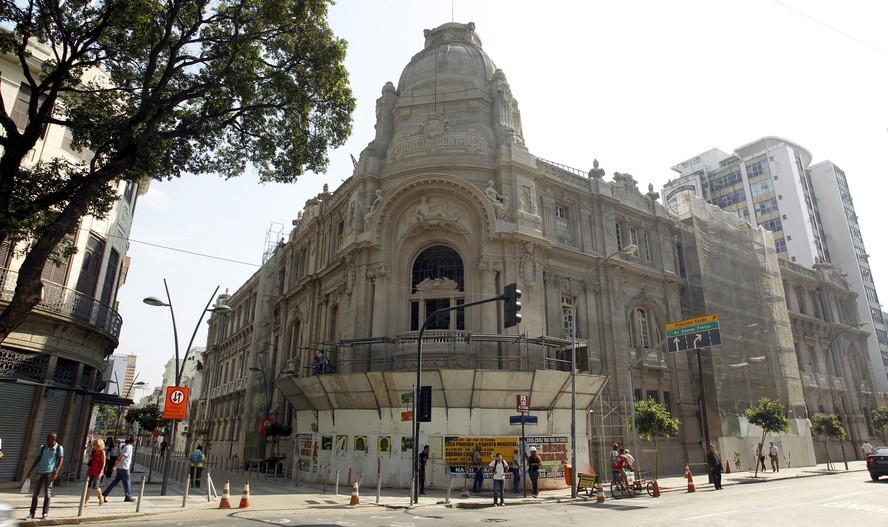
{"points": [[808, 208]]}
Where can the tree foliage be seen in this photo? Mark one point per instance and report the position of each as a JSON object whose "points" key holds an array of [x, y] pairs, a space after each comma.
{"points": [[149, 416], [880, 418], [769, 416], [653, 420], [827, 425], [157, 89]]}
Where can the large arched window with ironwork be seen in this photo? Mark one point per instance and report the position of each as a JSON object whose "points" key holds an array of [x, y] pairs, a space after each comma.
{"points": [[437, 281]]}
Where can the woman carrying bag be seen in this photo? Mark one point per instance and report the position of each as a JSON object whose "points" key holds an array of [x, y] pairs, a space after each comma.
{"points": [[96, 471]]}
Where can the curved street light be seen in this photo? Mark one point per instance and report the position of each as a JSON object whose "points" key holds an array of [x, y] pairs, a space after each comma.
{"points": [[627, 250], [157, 302]]}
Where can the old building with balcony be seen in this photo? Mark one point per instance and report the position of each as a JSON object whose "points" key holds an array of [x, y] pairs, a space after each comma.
{"points": [[51, 366]]}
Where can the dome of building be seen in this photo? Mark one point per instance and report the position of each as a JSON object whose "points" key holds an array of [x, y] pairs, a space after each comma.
{"points": [[452, 59]]}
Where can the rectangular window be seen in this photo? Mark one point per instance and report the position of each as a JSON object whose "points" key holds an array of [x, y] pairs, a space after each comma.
{"points": [[619, 236], [780, 244], [646, 247], [667, 402], [766, 206], [91, 266], [567, 314], [561, 218], [636, 395], [110, 282], [755, 169], [633, 236], [726, 181]]}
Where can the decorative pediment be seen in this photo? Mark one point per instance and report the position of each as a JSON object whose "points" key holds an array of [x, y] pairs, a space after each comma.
{"points": [[437, 284]]}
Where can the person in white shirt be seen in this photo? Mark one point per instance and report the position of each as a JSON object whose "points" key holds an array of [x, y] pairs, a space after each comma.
{"points": [[774, 454], [867, 448], [499, 466], [122, 468]]}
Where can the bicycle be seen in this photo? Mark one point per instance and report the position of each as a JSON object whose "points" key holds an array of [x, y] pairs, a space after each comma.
{"points": [[619, 487], [642, 482]]}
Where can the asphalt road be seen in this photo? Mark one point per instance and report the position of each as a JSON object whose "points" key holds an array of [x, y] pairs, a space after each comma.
{"points": [[844, 498]]}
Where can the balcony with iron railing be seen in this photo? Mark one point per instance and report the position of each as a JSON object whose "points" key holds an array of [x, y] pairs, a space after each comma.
{"points": [[66, 302]]}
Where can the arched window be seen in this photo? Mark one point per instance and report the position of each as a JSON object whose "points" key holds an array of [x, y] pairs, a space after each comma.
{"points": [[437, 282], [642, 337]]}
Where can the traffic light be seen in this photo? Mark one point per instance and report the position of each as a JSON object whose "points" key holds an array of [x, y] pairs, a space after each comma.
{"points": [[424, 408], [511, 305]]}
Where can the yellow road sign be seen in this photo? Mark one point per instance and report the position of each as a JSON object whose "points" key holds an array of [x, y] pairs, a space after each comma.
{"points": [[692, 322]]}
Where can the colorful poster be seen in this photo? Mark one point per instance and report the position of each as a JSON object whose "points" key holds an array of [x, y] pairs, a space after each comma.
{"points": [[307, 453], [406, 444], [360, 444], [327, 443], [341, 445], [384, 443], [553, 451], [458, 451]]}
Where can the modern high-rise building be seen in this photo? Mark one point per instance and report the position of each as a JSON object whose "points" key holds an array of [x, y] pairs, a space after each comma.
{"points": [[771, 183]]}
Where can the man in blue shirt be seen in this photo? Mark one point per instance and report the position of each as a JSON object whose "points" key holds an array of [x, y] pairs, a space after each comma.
{"points": [[47, 463]]}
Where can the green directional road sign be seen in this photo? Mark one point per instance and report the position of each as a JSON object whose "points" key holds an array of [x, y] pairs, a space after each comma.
{"points": [[700, 332]]}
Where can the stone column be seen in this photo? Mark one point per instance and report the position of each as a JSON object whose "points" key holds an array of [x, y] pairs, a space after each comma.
{"points": [[379, 277]]}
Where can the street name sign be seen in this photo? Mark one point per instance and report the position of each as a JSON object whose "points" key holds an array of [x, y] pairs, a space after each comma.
{"points": [[528, 420], [693, 333]]}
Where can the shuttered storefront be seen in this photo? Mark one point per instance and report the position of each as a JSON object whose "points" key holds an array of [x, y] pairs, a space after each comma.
{"points": [[14, 426]]}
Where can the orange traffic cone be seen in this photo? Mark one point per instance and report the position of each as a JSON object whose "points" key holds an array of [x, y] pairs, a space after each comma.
{"points": [[356, 499], [691, 487], [599, 498], [656, 489], [245, 497], [226, 497], [727, 467]]}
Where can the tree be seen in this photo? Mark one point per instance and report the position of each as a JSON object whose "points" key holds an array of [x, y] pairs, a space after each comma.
{"points": [[149, 417], [652, 420], [768, 416], [185, 86], [276, 431], [827, 426], [880, 418], [106, 414]]}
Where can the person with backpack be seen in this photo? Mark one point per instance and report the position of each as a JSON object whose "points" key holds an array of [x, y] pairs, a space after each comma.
{"points": [[48, 462], [500, 467], [196, 468]]}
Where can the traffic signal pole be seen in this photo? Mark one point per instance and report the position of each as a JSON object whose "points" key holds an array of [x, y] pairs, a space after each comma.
{"points": [[515, 294]]}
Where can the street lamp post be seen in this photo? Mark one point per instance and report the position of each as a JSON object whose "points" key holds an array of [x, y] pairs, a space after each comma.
{"points": [[154, 301], [629, 249], [832, 392], [120, 407]]}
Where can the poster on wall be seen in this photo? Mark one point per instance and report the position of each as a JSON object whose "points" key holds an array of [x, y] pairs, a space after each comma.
{"points": [[458, 451], [327, 443], [406, 444], [308, 453], [384, 443], [553, 452], [360, 444], [341, 445]]}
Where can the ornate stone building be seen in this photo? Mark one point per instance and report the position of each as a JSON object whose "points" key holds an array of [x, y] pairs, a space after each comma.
{"points": [[446, 206]]}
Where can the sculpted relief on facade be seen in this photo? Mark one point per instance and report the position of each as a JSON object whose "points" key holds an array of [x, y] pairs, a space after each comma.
{"points": [[436, 137]]}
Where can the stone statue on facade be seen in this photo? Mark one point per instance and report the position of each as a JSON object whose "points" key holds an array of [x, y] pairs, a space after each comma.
{"points": [[500, 202]]}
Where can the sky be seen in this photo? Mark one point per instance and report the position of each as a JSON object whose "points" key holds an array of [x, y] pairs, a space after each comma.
{"points": [[638, 85]]}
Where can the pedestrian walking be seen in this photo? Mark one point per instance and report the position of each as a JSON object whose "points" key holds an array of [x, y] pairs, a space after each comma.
{"points": [[121, 471], [515, 467], [45, 468], [423, 460], [478, 483], [95, 471], [774, 454], [713, 460], [196, 466], [534, 462], [112, 451], [760, 455], [499, 467], [163, 448], [866, 447]]}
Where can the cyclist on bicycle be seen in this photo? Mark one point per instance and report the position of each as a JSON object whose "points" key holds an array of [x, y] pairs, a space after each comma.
{"points": [[614, 454], [619, 469]]}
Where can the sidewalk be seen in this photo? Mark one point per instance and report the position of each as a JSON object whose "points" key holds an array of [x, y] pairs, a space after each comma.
{"points": [[269, 495]]}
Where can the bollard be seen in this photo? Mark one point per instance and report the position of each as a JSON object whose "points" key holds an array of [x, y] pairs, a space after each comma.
{"points": [[336, 487], [449, 490], [210, 489], [83, 496], [185, 494], [378, 478], [141, 493]]}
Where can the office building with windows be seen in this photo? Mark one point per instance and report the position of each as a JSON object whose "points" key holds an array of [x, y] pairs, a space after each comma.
{"points": [[771, 183]]}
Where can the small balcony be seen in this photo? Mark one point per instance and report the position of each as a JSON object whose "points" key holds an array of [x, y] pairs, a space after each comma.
{"points": [[68, 303]]}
